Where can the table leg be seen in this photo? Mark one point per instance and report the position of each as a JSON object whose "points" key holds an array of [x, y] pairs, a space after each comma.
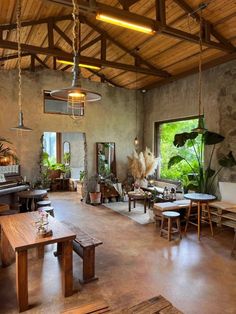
{"points": [[145, 206], [134, 202], [22, 280], [129, 204], [209, 218], [188, 214], [169, 229], [233, 253], [7, 253], [67, 268], [199, 219]]}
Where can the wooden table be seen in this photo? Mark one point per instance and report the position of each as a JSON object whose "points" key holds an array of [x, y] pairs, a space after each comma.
{"points": [[32, 195], [19, 234], [133, 196], [200, 199]]}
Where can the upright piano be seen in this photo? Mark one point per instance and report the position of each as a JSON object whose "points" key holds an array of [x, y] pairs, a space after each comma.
{"points": [[11, 182]]}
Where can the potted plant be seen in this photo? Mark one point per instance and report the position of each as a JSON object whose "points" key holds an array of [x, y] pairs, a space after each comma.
{"points": [[93, 190], [142, 165], [202, 177]]}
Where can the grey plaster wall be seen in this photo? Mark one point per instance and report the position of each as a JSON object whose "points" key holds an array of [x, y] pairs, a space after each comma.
{"points": [[76, 147], [180, 99], [110, 120]]}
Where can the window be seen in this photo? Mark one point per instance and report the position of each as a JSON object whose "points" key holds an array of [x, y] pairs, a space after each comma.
{"points": [[165, 133]]}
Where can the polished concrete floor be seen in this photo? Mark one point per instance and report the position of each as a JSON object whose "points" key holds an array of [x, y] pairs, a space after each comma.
{"points": [[133, 264]]}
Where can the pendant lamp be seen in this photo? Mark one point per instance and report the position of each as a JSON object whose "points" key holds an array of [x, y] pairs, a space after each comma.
{"points": [[76, 96], [20, 126], [200, 127], [136, 141]]}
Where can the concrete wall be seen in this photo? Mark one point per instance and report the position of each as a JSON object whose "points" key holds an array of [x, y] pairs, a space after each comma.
{"points": [[180, 99], [76, 147], [110, 120]]}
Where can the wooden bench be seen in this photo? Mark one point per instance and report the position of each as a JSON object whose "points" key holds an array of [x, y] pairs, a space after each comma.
{"points": [[84, 245], [156, 305]]}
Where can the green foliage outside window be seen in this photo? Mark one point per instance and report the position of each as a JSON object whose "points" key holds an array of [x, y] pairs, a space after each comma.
{"points": [[167, 149]]}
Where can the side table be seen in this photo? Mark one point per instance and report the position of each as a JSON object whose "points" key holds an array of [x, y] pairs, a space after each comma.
{"points": [[133, 196]]}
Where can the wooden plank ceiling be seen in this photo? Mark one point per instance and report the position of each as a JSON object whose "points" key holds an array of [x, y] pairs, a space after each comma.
{"points": [[129, 59]]}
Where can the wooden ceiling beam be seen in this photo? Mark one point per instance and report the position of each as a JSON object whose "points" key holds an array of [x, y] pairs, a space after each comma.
{"points": [[13, 56], [63, 35], [104, 78], [91, 43], [126, 4], [136, 18], [67, 56], [41, 62], [206, 66], [36, 22], [122, 47], [188, 9]]}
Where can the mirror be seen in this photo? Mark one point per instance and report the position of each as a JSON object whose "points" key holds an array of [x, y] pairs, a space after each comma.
{"points": [[106, 159], [66, 153]]}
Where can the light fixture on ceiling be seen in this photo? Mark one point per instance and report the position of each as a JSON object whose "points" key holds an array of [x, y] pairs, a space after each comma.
{"points": [[20, 126], [200, 127], [120, 22], [76, 96], [81, 65]]}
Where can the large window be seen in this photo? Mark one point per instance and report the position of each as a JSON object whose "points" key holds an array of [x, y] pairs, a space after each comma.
{"points": [[166, 149]]}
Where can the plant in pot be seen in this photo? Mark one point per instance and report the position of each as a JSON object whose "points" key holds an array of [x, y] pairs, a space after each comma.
{"points": [[93, 190], [202, 177], [141, 166]]}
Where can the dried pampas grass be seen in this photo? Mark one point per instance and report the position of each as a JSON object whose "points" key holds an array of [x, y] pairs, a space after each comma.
{"points": [[143, 164]]}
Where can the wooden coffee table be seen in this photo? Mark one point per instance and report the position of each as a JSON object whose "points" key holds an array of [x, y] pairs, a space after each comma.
{"points": [[134, 196], [18, 234]]}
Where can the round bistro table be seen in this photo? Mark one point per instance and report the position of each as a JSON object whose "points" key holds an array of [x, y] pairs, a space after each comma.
{"points": [[33, 196], [199, 199]]}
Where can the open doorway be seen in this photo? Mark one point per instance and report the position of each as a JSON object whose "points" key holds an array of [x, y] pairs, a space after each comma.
{"points": [[63, 160]]}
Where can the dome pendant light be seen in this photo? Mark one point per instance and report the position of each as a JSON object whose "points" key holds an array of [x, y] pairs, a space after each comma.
{"points": [[76, 96], [20, 126], [200, 127]]}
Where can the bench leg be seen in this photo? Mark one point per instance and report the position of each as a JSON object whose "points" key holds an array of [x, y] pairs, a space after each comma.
{"points": [[89, 264]]}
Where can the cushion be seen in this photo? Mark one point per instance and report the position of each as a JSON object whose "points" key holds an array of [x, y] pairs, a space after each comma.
{"points": [[223, 205], [165, 206], [228, 192]]}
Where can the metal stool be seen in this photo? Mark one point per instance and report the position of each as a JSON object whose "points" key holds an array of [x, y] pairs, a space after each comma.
{"points": [[171, 217], [48, 209], [43, 203]]}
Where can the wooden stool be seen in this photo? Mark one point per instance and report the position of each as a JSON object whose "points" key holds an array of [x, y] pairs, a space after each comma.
{"points": [[48, 209], [171, 217], [43, 203]]}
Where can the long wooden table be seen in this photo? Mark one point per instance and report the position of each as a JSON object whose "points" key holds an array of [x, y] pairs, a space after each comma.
{"points": [[19, 234]]}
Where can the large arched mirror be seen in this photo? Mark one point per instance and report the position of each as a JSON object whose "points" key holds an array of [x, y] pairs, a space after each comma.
{"points": [[66, 153], [106, 158]]}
